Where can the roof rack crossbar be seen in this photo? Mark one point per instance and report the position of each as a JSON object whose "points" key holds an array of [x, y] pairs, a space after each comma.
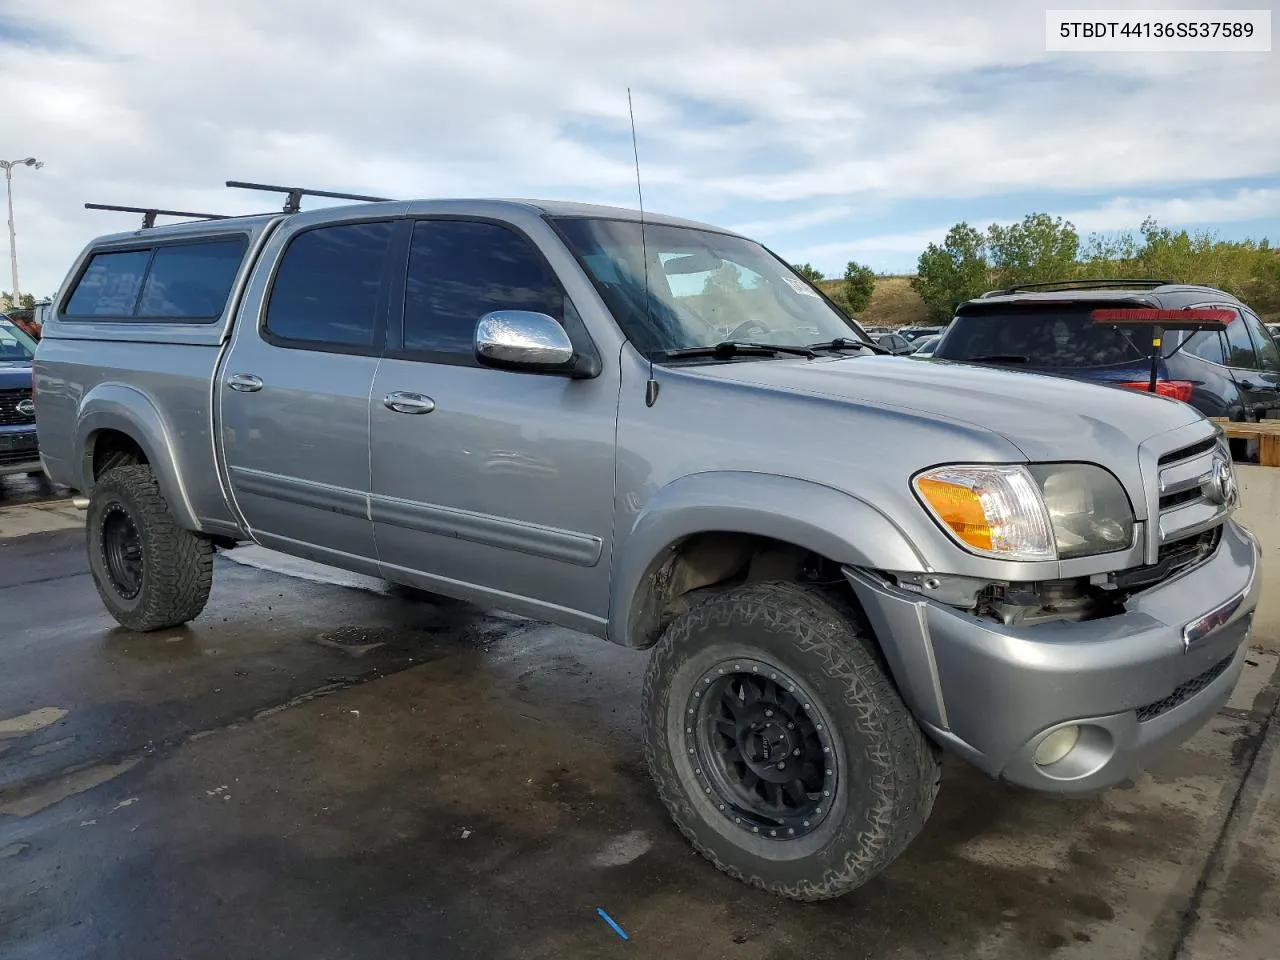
{"points": [[149, 214], [294, 195], [1100, 282]]}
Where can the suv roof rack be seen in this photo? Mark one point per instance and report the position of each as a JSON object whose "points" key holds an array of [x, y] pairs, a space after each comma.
{"points": [[1122, 282], [294, 195], [149, 214]]}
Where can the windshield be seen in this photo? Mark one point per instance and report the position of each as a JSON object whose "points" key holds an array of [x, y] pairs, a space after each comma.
{"points": [[703, 288], [1040, 338], [15, 345]]}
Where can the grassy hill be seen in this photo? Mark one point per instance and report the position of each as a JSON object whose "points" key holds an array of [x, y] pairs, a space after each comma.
{"points": [[893, 303]]}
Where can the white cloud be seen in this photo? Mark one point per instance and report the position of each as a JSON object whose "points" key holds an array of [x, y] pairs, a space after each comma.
{"points": [[1125, 213], [826, 107]]}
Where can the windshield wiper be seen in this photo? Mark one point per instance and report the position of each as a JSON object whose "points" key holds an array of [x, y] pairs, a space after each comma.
{"points": [[996, 358], [739, 348], [846, 343]]}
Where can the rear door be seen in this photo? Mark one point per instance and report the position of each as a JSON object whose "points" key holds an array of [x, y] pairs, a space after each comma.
{"points": [[1248, 361], [1266, 373], [294, 394]]}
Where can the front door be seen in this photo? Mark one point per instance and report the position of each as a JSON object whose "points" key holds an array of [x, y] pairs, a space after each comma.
{"points": [[489, 484], [294, 396]]}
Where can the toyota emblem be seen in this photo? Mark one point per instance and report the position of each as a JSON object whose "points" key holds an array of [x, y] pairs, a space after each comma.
{"points": [[27, 408], [1220, 485]]}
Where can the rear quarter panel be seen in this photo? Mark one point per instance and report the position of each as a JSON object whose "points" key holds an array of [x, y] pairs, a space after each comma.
{"points": [[152, 381]]}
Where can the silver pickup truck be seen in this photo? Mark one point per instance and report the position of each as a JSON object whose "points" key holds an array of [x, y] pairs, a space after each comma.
{"points": [[654, 431]]}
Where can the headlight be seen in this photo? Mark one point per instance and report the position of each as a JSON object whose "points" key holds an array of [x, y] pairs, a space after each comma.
{"points": [[1088, 508], [1041, 512]]}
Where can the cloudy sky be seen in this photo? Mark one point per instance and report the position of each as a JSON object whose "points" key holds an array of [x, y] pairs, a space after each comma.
{"points": [[830, 130]]}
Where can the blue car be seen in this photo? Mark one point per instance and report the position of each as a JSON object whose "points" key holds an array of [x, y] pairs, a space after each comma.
{"points": [[19, 448]]}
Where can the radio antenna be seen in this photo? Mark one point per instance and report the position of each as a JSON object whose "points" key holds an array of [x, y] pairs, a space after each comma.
{"points": [[651, 387]]}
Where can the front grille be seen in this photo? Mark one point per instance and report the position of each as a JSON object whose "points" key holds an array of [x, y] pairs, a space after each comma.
{"points": [[1182, 496], [9, 415], [1183, 691], [1186, 453], [1186, 478]]}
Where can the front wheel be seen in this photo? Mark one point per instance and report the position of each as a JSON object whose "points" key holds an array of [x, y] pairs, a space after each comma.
{"points": [[779, 744], [150, 572]]}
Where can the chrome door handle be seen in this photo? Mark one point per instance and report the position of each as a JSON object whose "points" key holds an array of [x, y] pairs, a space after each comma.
{"points": [[244, 382], [402, 402]]}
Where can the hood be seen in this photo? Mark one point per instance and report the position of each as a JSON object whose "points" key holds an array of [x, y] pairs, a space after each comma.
{"points": [[1046, 417], [15, 376]]}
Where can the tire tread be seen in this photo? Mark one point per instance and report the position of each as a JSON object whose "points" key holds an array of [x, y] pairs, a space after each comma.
{"points": [[907, 775], [178, 564]]}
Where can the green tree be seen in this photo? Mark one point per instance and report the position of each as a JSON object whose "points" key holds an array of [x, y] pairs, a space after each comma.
{"points": [[948, 275], [26, 301], [810, 273], [859, 284], [1039, 249]]}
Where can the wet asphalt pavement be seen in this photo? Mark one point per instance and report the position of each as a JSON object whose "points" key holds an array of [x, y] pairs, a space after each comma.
{"points": [[327, 771]]}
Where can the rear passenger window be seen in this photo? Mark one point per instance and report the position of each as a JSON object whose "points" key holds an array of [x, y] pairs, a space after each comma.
{"points": [[191, 280], [179, 282], [109, 285], [1239, 346], [327, 287], [1207, 345], [459, 271]]}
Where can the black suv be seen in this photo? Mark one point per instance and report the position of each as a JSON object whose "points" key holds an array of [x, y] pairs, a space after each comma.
{"points": [[1047, 328]]}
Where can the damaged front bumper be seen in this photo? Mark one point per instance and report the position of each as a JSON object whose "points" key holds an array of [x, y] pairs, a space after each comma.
{"points": [[1134, 685]]}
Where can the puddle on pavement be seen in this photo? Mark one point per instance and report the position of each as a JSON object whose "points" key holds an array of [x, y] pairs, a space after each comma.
{"points": [[30, 722], [25, 801]]}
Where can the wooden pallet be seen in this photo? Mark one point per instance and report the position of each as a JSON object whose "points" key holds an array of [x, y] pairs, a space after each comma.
{"points": [[1266, 432]]}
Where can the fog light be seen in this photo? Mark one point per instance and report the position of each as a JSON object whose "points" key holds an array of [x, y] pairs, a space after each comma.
{"points": [[1057, 745]]}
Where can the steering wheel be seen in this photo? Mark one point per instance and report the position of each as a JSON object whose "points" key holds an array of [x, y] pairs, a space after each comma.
{"points": [[742, 330]]}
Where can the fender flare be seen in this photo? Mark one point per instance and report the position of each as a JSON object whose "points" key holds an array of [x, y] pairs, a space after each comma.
{"points": [[829, 522], [115, 406]]}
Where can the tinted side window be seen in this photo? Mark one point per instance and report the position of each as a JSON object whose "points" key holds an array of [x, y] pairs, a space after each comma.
{"points": [[327, 286], [191, 280], [461, 270], [109, 285], [1239, 346], [1268, 353], [1207, 345]]}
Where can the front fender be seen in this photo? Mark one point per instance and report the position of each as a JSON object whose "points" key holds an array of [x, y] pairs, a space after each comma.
{"points": [[115, 406], [827, 521]]}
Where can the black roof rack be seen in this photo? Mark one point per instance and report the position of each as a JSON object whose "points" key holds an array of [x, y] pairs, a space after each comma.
{"points": [[1030, 287], [149, 214], [294, 195]]}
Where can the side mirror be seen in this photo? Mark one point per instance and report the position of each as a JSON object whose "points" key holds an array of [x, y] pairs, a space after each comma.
{"points": [[523, 340]]}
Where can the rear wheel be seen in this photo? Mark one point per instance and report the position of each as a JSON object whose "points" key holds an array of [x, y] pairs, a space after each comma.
{"points": [[779, 744], [150, 572]]}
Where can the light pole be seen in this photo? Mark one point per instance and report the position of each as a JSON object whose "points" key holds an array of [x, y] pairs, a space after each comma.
{"points": [[8, 166]]}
